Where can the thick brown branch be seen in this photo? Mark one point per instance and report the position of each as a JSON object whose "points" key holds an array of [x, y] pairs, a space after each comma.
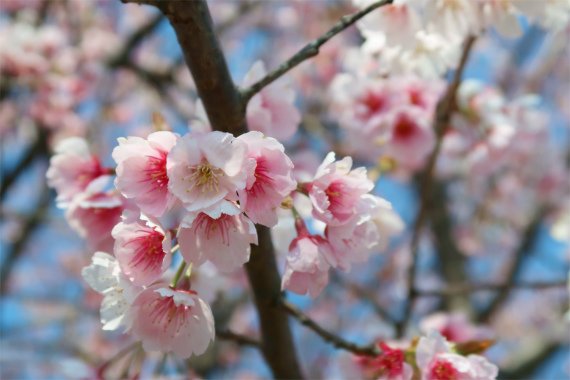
{"points": [[338, 342], [241, 340], [194, 29], [443, 115], [310, 50], [472, 288], [274, 324]]}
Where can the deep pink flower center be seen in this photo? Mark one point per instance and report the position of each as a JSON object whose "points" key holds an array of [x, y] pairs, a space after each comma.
{"points": [[94, 170], [155, 172], [215, 228], [373, 102], [148, 251], [165, 313], [443, 370], [404, 128], [262, 179], [390, 363], [338, 196]]}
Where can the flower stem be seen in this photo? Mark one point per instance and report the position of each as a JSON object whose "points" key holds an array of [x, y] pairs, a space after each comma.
{"points": [[179, 271]]}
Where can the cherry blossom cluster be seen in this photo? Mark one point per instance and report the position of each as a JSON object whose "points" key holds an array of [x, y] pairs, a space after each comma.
{"points": [[60, 69], [387, 120], [424, 37], [506, 141], [450, 349], [357, 223], [221, 184]]}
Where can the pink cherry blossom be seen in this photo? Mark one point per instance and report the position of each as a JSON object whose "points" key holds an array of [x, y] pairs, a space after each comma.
{"points": [[455, 19], [307, 263], [272, 110], [352, 242], [141, 171], [220, 234], [411, 138], [205, 168], [142, 247], [436, 362], [390, 365], [336, 190], [455, 327], [72, 168], [387, 222], [94, 212], [106, 278], [269, 182], [397, 22], [167, 319]]}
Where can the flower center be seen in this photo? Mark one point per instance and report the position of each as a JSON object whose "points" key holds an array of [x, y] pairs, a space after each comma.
{"points": [[148, 250], [337, 195], [215, 227], [165, 313], [156, 172], [262, 179], [404, 128], [205, 177], [443, 370]]}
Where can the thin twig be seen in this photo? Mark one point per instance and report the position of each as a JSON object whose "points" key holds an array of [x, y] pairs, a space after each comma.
{"points": [[310, 50], [134, 39], [241, 340], [338, 342], [472, 288], [443, 114], [528, 239]]}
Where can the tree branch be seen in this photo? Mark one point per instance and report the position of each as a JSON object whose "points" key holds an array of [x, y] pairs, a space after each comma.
{"points": [[310, 50], [443, 115], [338, 342], [194, 29], [528, 239], [472, 288], [123, 56], [27, 229], [241, 340], [529, 366], [39, 148]]}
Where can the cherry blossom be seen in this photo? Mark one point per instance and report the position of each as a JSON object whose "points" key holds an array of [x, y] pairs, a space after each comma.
{"points": [[411, 138], [220, 234], [455, 327], [167, 319], [205, 168], [307, 263], [437, 362], [141, 171], [397, 22], [272, 110], [106, 278], [269, 182], [94, 212], [336, 189], [142, 247], [454, 19], [72, 168], [390, 365]]}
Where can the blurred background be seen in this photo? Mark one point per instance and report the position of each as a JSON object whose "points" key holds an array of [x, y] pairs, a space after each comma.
{"points": [[99, 69]]}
